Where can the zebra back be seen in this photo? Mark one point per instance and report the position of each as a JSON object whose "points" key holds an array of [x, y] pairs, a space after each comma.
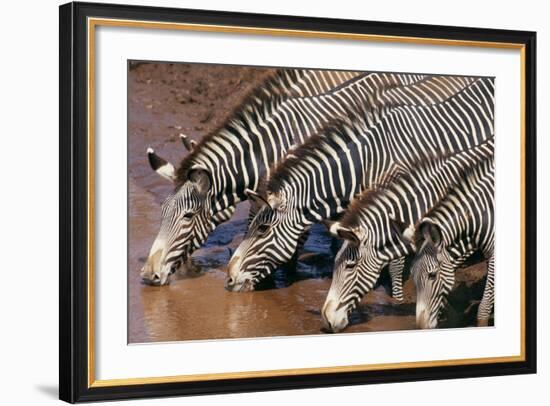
{"points": [[314, 82], [377, 93]]}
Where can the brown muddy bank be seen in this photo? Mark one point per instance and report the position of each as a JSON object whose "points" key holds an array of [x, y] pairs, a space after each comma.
{"points": [[168, 99]]}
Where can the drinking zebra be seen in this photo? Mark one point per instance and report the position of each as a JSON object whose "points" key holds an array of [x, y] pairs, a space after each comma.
{"points": [[317, 180], [458, 225], [214, 177], [210, 181], [373, 227]]}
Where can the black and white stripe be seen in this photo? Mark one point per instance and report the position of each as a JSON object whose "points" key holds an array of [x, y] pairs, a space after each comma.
{"points": [[458, 225], [378, 226], [317, 180], [237, 157], [212, 179]]}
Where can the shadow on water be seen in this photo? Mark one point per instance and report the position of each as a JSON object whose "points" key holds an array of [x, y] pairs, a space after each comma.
{"points": [[217, 250], [314, 261], [225, 233], [364, 313], [383, 316]]}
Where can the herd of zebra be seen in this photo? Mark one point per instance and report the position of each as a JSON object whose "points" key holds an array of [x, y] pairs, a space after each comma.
{"points": [[395, 165]]}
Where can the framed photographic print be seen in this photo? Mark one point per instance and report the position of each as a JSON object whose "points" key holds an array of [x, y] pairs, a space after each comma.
{"points": [[255, 202]]}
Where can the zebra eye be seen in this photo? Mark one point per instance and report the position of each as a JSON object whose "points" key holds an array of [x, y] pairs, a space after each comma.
{"points": [[263, 228], [188, 215], [432, 274]]}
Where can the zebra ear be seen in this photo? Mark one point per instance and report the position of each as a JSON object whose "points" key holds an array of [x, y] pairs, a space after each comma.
{"points": [[161, 166], [329, 224], [187, 143], [200, 176], [403, 230], [256, 197], [275, 201], [337, 230], [430, 233]]}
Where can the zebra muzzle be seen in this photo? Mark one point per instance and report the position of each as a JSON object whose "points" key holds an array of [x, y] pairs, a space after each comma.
{"points": [[334, 317]]}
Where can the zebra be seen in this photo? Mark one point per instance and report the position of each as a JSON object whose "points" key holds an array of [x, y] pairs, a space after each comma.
{"points": [[317, 180], [380, 92], [210, 181], [378, 225], [215, 176], [458, 225]]}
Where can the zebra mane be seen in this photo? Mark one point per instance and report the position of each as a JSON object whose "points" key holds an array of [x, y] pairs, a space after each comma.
{"points": [[263, 184], [406, 172], [352, 215], [258, 102]]}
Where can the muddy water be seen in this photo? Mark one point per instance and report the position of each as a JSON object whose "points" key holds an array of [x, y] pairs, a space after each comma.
{"points": [[165, 100], [195, 305]]}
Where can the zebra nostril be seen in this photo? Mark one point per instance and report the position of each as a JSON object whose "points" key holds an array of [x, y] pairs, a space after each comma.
{"points": [[230, 281], [329, 326]]}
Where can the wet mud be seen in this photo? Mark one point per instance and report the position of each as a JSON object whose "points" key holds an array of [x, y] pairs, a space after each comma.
{"points": [[168, 99]]}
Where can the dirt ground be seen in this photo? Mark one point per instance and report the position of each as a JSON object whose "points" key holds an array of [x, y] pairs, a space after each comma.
{"points": [[168, 99]]}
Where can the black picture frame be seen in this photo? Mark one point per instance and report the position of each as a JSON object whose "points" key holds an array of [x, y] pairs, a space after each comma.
{"points": [[73, 284]]}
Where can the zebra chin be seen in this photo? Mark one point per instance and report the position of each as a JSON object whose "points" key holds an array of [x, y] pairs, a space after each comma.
{"points": [[334, 317], [423, 319], [239, 279], [245, 286], [153, 277], [155, 273]]}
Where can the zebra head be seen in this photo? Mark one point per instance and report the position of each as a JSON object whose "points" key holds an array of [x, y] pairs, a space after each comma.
{"points": [[431, 273], [185, 224], [345, 290], [357, 266], [270, 241]]}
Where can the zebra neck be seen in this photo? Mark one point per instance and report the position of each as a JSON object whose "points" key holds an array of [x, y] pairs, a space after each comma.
{"points": [[459, 251], [465, 213], [329, 206], [409, 192]]}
